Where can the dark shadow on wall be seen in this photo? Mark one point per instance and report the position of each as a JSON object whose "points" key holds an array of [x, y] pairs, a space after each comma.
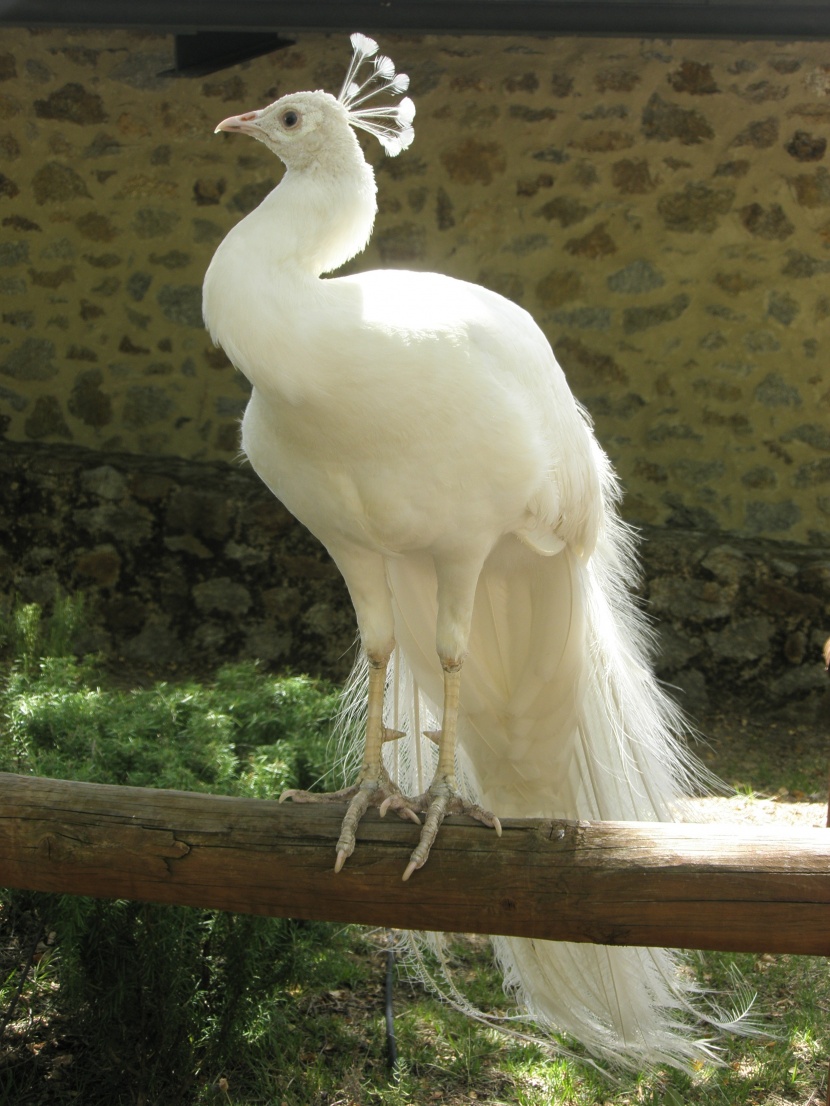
{"points": [[195, 564], [182, 563]]}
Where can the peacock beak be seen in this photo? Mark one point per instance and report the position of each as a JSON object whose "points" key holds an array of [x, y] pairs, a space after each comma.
{"points": [[247, 123]]}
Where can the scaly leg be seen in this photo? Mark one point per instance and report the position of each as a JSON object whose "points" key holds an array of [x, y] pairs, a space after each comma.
{"points": [[373, 785], [365, 576], [442, 796], [457, 574]]}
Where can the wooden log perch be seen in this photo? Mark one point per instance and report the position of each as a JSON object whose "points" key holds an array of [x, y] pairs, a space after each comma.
{"points": [[617, 883]]}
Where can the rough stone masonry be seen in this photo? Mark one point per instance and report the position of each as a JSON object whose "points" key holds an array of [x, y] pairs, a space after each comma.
{"points": [[661, 207]]}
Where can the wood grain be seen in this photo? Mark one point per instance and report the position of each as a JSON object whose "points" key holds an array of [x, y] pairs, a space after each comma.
{"points": [[708, 886]]}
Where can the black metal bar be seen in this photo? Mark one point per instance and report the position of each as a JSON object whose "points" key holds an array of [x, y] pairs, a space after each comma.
{"points": [[389, 1013], [707, 18], [208, 51]]}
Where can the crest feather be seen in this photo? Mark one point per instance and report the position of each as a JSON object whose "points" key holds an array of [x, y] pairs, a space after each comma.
{"points": [[391, 124]]}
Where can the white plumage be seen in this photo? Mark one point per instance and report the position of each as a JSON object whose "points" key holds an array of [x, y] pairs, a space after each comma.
{"points": [[421, 428]]}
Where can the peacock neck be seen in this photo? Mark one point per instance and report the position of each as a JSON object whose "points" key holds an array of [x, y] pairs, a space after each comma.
{"points": [[269, 267], [315, 221]]}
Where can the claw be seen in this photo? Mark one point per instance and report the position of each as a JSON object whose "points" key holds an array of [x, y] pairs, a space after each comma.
{"points": [[401, 807], [437, 806], [411, 867], [441, 799]]}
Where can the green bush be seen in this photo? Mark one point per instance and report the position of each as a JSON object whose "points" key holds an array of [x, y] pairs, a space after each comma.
{"points": [[122, 1003], [154, 1001], [245, 734]]}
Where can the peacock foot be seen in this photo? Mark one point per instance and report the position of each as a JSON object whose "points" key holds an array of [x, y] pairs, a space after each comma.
{"points": [[371, 789], [440, 799]]}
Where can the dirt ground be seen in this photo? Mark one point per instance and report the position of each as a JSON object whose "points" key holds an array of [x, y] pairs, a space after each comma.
{"points": [[778, 766]]}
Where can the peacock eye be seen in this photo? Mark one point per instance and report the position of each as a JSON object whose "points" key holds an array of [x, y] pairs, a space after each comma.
{"points": [[290, 119]]}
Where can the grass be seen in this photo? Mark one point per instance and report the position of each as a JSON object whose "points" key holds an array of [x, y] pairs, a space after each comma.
{"points": [[116, 1003]]}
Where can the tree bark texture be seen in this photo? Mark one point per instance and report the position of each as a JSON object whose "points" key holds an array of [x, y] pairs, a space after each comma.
{"points": [[711, 886]]}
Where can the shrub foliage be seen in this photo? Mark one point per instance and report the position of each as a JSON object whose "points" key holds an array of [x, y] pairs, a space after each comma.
{"points": [[153, 1002]]}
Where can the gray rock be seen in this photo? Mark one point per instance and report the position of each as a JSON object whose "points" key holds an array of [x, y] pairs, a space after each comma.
{"points": [[675, 647], [124, 522], [698, 601], [672, 431], [728, 564], [154, 222], [761, 341], [56, 183], [764, 517], [46, 420], [33, 359], [760, 477], [664, 121], [88, 402], [745, 640], [144, 70], [639, 276], [14, 252], [156, 644], [105, 482], [13, 399], [144, 405], [696, 208], [804, 146], [770, 223], [400, 243], [182, 303], [72, 103], [799, 681], [811, 434], [137, 285], [636, 319], [584, 318], [812, 474], [782, 307], [761, 134], [802, 265], [690, 690], [222, 595], [251, 196], [774, 391]]}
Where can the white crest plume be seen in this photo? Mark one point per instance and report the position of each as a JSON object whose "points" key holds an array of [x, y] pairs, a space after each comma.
{"points": [[391, 124]]}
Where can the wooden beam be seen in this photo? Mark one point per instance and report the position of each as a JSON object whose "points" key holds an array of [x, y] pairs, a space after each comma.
{"points": [[618, 883]]}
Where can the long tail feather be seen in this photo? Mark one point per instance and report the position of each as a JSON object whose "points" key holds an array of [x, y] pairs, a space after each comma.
{"points": [[561, 717]]}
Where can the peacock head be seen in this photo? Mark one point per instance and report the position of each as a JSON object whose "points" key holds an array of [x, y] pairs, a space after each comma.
{"points": [[306, 128]]}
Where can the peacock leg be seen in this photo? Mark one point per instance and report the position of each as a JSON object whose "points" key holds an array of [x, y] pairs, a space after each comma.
{"points": [[457, 576], [443, 796], [365, 576], [373, 785]]}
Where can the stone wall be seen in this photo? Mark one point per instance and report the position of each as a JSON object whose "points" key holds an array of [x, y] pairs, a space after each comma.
{"points": [[663, 208], [181, 563], [738, 620], [194, 563]]}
